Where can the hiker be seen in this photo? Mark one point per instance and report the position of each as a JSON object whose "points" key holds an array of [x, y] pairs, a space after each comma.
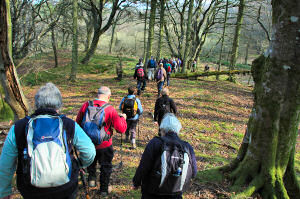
{"points": [[132, 107], [164, 105], [151, 68], [139, 63], [45, 141], [168, 69], [194, 66], [140, 76], [160, 76], [160, 175], [104, 151]]}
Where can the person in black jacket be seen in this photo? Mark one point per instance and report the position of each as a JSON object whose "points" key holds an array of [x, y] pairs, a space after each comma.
{"points": [[147, 171], [164, 105], [141, 76]]}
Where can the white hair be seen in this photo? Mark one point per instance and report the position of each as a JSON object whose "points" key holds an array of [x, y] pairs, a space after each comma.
{"points": [[103, 90], [48, 96], [170, 123]]}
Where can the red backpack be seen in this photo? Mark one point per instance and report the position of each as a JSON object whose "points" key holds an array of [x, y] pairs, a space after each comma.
{"points": [[140, 72], [169, 68]]}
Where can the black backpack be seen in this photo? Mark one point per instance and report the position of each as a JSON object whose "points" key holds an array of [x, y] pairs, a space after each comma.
{"points": [[129, 107], [164, 107], [172, 171]]}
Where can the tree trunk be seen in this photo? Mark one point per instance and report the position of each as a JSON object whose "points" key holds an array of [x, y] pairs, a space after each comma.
{"points": [[247, 53], [151, 31], [75, 42], [53, 41], [89, 31], [236, 39], [145, 32], [222, 39], [188, 36], [161, 28], [93, 46], [112, 37], [265, 162], [14, 96]]}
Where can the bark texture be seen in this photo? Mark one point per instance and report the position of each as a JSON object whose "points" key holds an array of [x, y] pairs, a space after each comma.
{"points": [[151, 30], [161, 28], [236, 39], [75, 41], [14, 96], [188, 36], [265, 162]]}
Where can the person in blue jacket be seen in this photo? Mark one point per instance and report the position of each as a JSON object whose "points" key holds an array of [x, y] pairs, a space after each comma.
{"points": [[48, 101], [146, 171], [132, 107]]}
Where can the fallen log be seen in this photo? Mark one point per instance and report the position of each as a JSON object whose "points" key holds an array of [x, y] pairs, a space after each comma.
{"points": [[209, 73]]}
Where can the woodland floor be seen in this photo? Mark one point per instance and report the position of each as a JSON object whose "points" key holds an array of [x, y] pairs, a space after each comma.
{"points": [[213, 114]]}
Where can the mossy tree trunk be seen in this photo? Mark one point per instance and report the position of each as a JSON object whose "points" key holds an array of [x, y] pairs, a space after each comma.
{"points": [[161, 28], [75, 42], [150, 31], [53, 42], [14, 96], [188, 36], [145, 31], [222, 38], [111, 43], [236, 39], [265, 161]]}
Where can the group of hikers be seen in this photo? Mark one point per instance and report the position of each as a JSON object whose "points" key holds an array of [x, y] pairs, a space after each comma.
{"points": [[159, 71], [48, 150]]}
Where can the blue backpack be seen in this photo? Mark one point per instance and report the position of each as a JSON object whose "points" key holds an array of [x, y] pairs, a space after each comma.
{"points": [[93, 123], [46, 155], [152, 63]]}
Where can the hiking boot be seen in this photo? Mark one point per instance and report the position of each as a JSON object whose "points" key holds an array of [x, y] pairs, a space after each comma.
{"points": [[92, 183], [139, 92], [105, 193]]}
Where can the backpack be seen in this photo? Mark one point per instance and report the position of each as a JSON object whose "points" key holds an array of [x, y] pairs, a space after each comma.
{"points": [[140, 72], [169, 68], [164, 107], [129, 107], [93, 123], [46, 157], [160, 74], [152, 63], [172, 171]]}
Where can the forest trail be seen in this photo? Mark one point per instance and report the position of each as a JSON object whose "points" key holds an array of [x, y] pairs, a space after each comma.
{"points": [[213, 114]]}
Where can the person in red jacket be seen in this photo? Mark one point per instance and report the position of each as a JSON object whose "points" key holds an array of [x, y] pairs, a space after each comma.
{"points": [[104, 151]]}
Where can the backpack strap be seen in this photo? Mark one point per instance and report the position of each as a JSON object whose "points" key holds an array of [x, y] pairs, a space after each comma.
{"points": [[91, 103]]}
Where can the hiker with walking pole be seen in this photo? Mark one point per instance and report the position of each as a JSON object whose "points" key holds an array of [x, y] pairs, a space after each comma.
{"points": [[132, 107], [97, 118], [41, 147]]}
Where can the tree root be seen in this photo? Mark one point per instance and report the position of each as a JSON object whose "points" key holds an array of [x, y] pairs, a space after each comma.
{"points": [[254, 186]]}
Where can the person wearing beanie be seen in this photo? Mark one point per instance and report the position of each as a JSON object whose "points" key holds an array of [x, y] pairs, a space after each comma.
{"points": [[163, 105], [148, 169]]}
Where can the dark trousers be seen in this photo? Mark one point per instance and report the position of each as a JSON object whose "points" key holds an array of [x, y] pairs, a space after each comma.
{"points": [[104, 158], [141, 84], [131, 128]]}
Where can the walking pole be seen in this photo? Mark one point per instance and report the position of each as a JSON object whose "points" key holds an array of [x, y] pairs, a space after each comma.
{"points": [[84, 184], [138, 130], [121, 151]]}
